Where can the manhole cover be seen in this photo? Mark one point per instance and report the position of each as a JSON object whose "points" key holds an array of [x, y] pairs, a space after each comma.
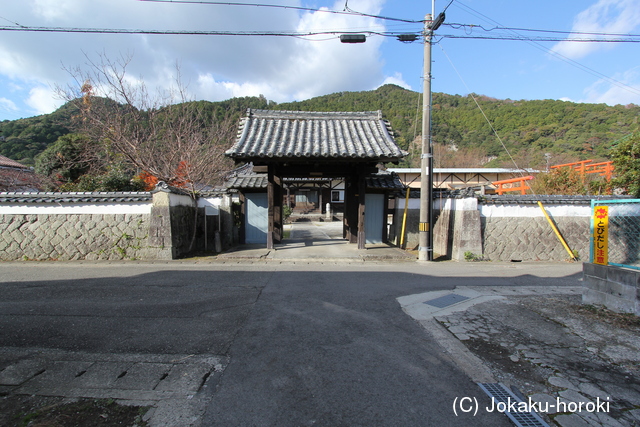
{"points": [[446, 300]]}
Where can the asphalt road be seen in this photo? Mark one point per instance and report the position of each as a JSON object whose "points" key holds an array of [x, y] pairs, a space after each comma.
{"points": [[308, 344]]}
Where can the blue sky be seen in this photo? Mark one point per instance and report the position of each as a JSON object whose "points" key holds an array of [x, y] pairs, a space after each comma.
{"points": [[214, 68]]}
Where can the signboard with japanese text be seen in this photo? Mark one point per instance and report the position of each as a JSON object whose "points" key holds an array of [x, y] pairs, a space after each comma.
{"points": [[600, 235]]}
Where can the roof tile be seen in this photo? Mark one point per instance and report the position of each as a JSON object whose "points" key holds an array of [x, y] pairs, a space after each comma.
{"points": [[305, 134], [74, 197]]}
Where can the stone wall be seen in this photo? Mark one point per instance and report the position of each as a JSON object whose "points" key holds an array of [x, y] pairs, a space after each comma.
{"points": [[171, 223], [457, 229], [520, 232], [533, 239], [105, 226], [501, 228], [74, 236]]}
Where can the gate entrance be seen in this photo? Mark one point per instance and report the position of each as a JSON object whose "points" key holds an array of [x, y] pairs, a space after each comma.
{"points": [[301, 144]]}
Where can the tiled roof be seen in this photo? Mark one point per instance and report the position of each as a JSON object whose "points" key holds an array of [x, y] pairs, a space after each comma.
{"points": [[48, 197], [248, 181], [8, 163], [291, 135], [245, 169], [384, 181]]}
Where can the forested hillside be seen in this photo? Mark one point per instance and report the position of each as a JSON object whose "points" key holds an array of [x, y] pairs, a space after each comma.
{"points": [[23, 139], [461, 135], [567, 131]]}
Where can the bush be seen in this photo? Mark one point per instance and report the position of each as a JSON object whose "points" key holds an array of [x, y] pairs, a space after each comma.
{"points": [[626, 160]]}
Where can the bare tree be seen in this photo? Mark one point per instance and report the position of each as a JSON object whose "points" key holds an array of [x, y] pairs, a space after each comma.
{"points": [[163, 134], [176, 141]]}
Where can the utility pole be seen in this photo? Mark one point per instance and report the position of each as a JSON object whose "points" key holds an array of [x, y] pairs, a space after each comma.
{"points": [[425, 233]]}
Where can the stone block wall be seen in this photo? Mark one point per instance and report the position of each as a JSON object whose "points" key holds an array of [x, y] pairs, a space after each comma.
{"points": [[501, 228], [459, 224], [616, 288], [100, 226], [74, 236], [533, 239], [516, 229]]}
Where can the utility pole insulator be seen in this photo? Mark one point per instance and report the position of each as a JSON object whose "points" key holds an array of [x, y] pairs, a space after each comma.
{"points": [[353, 38]]}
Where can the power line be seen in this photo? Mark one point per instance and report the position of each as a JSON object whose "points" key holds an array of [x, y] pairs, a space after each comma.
{"points": [[541, 39], [514, 29], [445, 9], [192, 32], [346, 11], [10, 21], [556, 54], [304, 34]]}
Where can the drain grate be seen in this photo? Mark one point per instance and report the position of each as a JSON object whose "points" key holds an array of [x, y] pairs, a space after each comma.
{"points": [[446, 300], [502, 394]]}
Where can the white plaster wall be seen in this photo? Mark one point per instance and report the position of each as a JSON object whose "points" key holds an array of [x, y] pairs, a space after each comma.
{"points": [[413, 203], [468, 203], [501, 211], [533, 211], [180, 200], [210, 204], [75, 208]]}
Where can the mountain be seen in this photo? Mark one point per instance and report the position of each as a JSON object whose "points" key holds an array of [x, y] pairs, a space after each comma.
{"points": [[528, 129], [23, 139], [567, 131]]}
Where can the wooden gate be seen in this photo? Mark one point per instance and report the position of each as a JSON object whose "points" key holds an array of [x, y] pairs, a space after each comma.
{"points": [[373, 217], [256, 220]]}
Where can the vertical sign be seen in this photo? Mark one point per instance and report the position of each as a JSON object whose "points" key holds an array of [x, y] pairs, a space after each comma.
{"points": [[600, 235]]}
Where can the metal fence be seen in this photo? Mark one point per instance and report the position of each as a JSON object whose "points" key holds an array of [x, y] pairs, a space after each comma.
{"points": [[615, 232]]}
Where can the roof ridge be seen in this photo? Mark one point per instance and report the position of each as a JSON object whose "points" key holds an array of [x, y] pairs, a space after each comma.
{"points": [[377, 114]]}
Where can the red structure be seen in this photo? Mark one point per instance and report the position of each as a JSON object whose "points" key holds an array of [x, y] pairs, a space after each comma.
{"points": [[521, 186], [586, 166]]}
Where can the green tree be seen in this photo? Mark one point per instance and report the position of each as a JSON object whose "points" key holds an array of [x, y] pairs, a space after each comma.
{"points": [[116, 178], [626, 160], [65, 160], [76, 163]]}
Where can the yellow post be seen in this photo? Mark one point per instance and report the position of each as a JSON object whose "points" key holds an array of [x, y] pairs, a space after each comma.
{"points": [[404, 217], [555, 229]]}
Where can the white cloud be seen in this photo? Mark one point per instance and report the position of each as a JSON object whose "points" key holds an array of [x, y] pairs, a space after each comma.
{"points": [[212, 90], [8, 105], [54, 10], [214, 67], [605, 16], [43, 100], [396, 79], [625, 89]]}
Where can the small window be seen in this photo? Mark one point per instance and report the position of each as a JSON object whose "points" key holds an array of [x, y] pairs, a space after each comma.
{"points": [[336, 196]]}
